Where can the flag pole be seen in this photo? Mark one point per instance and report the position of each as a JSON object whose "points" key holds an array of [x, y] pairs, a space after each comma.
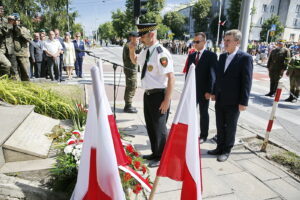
{"points": [[151, 197]]}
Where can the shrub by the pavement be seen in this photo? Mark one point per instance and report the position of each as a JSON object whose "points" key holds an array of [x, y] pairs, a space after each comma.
{"points": [[46, 102]]}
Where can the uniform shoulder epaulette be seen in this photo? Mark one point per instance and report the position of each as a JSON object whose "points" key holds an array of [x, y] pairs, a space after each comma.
{"points": [[159, 49]]}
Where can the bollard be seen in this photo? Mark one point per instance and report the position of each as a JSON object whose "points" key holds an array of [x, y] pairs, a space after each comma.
{"points": [[272, 117]]}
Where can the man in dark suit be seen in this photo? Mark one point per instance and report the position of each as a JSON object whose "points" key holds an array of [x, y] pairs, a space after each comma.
{"points": [[231, 92], [79, 48], [36, 55], [205, 62]]}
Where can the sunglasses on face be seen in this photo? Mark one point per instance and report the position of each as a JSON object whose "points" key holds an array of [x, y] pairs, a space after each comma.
{"points": [[197, 42]]}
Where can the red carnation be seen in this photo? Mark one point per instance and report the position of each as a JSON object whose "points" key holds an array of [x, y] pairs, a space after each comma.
{"points": [[137, 164], [129, 159], [136, 154], [130, 148], [144, 169], [137, 188], [127, 177]]}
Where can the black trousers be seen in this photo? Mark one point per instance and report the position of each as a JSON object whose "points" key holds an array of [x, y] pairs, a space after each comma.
{"points": [[227, 118], [155, 122], [204, 117]]}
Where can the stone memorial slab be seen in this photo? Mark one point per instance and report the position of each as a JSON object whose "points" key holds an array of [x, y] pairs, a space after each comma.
{"points": [[10, 119], [30, 137]]}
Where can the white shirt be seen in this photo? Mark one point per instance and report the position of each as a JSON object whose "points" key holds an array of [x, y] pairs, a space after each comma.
{"points": [[201, 52], [52, 46], [229, 58], [155, 76]]}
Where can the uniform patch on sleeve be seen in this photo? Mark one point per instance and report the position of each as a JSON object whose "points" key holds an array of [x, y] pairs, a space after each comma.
{"points": [[164, 61], [159, 49]]}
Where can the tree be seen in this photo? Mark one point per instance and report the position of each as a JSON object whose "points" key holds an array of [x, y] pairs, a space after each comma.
{"points": [[120, 24], [234, 13], [106, 31], [162, 31], [176, 22], [200, 12], [274, 19], [38, 14]]}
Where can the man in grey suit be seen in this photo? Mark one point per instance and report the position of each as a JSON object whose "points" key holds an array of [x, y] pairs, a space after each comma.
{"points": [[36, 55]]}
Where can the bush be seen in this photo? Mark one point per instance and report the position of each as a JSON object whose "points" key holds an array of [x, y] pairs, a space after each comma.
{"points": [[46, 102]]}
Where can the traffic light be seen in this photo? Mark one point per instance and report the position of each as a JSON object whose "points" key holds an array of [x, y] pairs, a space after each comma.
{"points": [[138, 7]]}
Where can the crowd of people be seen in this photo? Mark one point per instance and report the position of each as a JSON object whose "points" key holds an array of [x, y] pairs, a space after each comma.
{"points": [[43, 56]]}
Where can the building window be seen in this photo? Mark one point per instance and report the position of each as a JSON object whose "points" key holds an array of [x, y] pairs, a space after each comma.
{"points": [[297, 8], [264, 7], [292, 37], [272, 8], [261, 20], [295, 22]]}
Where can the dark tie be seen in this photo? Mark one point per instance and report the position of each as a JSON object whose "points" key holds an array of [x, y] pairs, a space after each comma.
{"points": [[145, 64], [197, 58]]}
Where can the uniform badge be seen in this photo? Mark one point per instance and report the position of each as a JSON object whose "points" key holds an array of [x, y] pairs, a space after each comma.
{"points": [[150, 68], [164, 61]]}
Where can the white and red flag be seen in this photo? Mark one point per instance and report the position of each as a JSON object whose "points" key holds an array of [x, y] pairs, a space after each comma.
{"points": [[98, 175], [181, 157]]}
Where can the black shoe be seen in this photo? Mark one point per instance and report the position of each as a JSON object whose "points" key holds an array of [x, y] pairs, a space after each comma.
{"points": [[202, 140], [270, 94], [223, 157], [214, 152], [62, 80], [149, 157], [154, 163], [215, 138], [130, 109], [290, 99]]}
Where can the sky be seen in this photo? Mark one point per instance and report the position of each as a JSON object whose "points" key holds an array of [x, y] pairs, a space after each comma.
{"points": [[95, 12]]}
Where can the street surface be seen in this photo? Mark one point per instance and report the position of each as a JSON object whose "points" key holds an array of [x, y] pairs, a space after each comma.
{"points": [[286, 126]]}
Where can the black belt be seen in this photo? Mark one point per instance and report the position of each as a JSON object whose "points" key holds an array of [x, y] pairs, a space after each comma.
{"points": [[149, 92]]}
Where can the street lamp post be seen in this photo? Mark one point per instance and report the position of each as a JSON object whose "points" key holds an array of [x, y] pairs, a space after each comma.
{"points": [[68, 16], [220, 11]]}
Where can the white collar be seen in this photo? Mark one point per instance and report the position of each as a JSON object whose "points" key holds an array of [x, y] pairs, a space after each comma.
{"points": [[153, 46]]}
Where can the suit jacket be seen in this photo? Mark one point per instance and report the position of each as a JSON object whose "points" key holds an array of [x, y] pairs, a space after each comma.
{"points": [[233, 86], [205, 72], [35, 53], [79, 54]]}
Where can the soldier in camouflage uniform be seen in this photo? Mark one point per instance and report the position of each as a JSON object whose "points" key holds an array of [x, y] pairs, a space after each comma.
{"points": [[10, 49], [5, 64], [294, 73], [21, 37], [130, 74], [277, 64]]}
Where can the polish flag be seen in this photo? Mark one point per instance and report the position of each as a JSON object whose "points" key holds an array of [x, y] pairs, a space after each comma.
{"points": [[181, 157], [98, 175]]}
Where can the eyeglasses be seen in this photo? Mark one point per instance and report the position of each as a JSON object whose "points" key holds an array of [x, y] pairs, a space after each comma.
{"points": [[198, 41]]}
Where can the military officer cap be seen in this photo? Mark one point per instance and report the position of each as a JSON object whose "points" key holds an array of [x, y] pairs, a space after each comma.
{"points": [[133, 34], [146, 28], [281, 41]]}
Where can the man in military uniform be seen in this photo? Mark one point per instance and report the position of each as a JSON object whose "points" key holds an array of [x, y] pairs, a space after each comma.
{"points": [[10, 48], [277, 63], [5, 64], [130, 71], [158, 81], [294, 73], [21, 37]]}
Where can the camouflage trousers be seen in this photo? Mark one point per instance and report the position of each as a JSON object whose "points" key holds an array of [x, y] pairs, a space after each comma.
{"points": [[294, 82], [23, 67], [14, 72], [5, 65], [131, 85]]}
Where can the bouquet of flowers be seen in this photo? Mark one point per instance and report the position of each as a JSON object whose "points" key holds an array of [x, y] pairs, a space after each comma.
{"points": [[64, 174]]}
